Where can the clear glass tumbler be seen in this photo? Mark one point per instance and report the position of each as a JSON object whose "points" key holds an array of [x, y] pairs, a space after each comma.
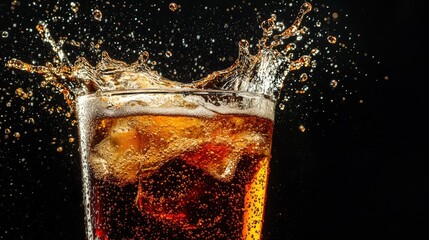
{"points": [[175, 163]]}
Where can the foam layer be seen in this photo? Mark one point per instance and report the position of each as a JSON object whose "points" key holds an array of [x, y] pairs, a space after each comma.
{"points": [[192, 103]]}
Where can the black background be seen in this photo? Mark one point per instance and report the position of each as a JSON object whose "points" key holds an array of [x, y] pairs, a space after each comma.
{"points": [[358, 176]]}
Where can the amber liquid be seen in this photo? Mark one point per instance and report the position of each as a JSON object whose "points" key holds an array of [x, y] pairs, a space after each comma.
{"points": [[181, 199]]}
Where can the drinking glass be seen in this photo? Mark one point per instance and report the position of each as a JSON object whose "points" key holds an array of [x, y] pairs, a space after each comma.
{"points": [[175, 163]]}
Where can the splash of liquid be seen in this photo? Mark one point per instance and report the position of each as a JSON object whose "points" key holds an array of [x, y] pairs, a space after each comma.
{"points": [[264, 73]]}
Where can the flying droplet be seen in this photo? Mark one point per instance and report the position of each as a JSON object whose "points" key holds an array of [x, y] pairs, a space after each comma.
{"points": [[280, 26], [282, 106], [173, 6], [168, 54], [40, 28], [59, 149], [4, 34], [332, 39], [303, 77], [318, 23], [333, 83], [74, 7], [301, 128], [17, 135], [314, 51], [97, 15]]}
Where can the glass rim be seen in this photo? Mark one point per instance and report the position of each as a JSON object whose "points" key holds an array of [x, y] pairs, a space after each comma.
{"points": [[194, 91]]}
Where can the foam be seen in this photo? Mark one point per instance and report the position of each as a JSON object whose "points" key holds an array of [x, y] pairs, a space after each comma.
{"points": [[171, 104]]}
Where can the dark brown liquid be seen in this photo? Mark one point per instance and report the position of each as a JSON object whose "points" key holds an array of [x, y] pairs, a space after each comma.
{"points": [[180, 200]]}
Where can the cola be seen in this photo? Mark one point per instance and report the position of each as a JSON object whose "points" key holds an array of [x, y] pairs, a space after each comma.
{"points": [[175, 165]]}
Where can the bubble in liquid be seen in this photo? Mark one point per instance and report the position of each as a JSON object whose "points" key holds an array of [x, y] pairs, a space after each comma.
{"points": [[332, 39], [173, 6], [97, 14], [333, 83], [4, 34], [7, 131]]}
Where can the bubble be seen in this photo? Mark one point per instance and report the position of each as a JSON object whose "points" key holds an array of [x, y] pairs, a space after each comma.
{"points": [[334, 15], [332, 39], [4, 34], [7, 131], [97, 14], [71, 140], [282, 106], [333, 83]]}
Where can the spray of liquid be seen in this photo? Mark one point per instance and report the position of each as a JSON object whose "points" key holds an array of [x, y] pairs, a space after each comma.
{"points": [[264, 73]]}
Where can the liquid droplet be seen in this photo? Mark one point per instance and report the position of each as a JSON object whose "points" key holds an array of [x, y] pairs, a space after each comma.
{"points": [[332, 39], [314, 51], [173, 7], [301, 128], [17, 135], [333, 83], [263, 72], [4, 34], [318, 23], [303, 77], [97, 14], [168, 54], [59, 149], [74, 7]]}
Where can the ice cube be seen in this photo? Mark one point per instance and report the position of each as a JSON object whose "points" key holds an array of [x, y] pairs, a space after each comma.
{"points": [[116, 157], [137, 146], [219, 156]]}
